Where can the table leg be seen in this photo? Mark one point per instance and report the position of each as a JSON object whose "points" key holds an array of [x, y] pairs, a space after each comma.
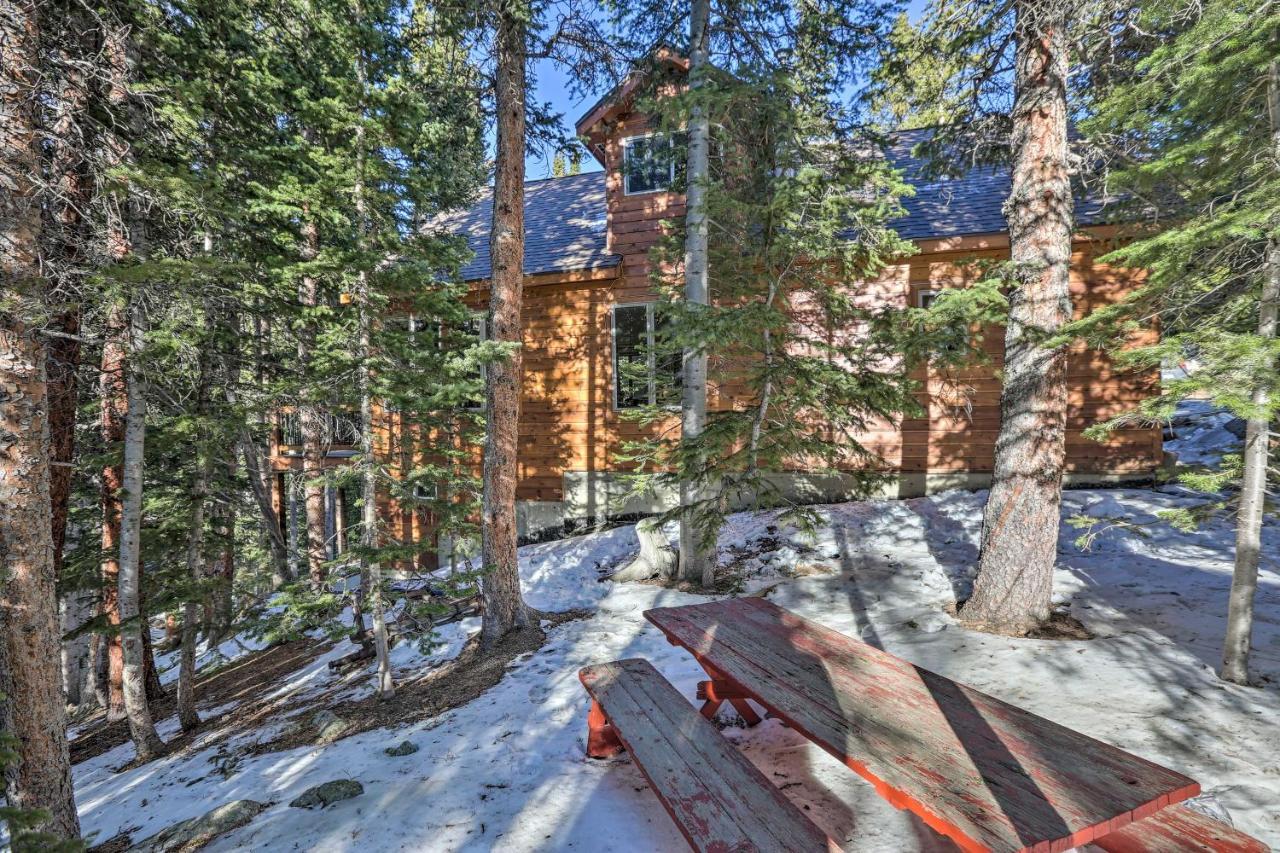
{"points": [[602, 740], [719, 690]]}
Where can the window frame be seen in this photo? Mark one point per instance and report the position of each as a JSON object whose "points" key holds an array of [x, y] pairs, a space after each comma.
{"points": [[651, 366], [671, 163], [923, 296]]}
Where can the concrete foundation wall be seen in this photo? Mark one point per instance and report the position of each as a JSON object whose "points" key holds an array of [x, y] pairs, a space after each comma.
{"points": [[593, 497]]}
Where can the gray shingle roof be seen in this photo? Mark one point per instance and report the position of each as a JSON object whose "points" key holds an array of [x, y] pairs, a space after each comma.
{"points": [[959, 206], [564, 227], [565, 217]]}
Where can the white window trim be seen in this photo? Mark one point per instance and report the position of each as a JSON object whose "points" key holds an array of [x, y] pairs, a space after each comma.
{"points": [[613, 353], [923, 295], [626, 177]]}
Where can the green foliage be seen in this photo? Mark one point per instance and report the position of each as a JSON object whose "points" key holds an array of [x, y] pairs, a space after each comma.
{"points": [[1191, 146], [914, 84], [798, 340]]}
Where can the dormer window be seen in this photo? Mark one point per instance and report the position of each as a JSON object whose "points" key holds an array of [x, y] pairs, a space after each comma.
{"points": [[653, 163]]}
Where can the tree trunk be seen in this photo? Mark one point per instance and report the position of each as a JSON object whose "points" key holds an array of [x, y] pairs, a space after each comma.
{"points": [[112, 390], [31, 703], [1020, 523], [188, 718], [141, 727], [256, 473], [697, 563], [1257, 456], [504, 607], [311, 418], [69, 173], [370, 564], [77, 609]]}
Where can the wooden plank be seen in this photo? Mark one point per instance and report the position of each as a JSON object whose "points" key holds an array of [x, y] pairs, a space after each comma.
{"points": [[1178, 829], [985, 773], [718, 799]]}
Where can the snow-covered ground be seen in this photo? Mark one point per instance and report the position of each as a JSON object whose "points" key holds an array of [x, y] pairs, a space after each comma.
{"points": [[508, 772]]}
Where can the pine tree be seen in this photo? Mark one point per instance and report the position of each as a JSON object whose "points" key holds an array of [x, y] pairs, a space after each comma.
{"points": [[797, 225], [32, 712], [504, 607], [1191, 129], [1010, 101]]}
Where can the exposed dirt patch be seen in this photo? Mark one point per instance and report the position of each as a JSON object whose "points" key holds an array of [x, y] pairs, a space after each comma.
{"points": [[1061, 626], [430, 694], [241, 681]]}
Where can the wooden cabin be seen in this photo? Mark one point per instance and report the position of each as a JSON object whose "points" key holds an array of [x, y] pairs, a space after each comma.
{"points": [[588, 298]]}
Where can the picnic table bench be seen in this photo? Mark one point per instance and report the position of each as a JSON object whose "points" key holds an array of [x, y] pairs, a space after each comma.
{"points": [[715, 795], [988, 775]]}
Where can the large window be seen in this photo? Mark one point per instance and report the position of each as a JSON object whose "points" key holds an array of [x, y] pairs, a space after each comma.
{"points": [[653, 163], [641, 376]]}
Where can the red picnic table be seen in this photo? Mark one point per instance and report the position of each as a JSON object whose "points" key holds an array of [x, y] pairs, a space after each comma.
{"points": [[988, 775]]}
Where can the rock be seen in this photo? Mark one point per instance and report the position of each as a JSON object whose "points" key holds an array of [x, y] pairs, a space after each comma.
{"points": [[406, 747], [1237, 427], [328, 793], [195, 833], [329, 726]]}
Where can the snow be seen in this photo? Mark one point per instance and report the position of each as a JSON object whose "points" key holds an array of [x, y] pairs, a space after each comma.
{"points": [[1200, 433], [508, 772]]}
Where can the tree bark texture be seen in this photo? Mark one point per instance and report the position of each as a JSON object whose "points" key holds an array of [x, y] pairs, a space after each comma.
{"points": [[111, 385], [1257, 454], [32, 708], [370, 564], [1020, 523], [504, 607], [188, 718], [697, 563], [133, 625], [311, 418]]}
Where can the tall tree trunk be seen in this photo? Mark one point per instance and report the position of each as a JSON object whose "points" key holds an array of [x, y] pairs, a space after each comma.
{"points": [[202, 472], [1020, 524], [697, 563], [311, 420], [255, 470], [137, 710], [1257, 454], [112, 391], [31, 705], [112, 383], [222, 567], [77, 610], [68, 166], [504, 607], [370, 565]]}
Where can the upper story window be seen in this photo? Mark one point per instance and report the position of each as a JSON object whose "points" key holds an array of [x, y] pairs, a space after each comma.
{"points": [[653, 163]]}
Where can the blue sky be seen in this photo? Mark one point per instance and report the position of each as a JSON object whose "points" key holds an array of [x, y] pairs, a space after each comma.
{"points": [[554, 87]]}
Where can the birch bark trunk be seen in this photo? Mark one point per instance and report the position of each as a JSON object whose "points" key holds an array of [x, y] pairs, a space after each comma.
{"points": [[188, 718], [137, 710], [1012, 592], [32, 707], [370, 565], [1257, 454], [697, 563], [504, 607]]}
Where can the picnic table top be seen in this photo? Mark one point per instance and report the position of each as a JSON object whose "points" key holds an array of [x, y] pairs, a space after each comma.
{"points": [[985, 773]]}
